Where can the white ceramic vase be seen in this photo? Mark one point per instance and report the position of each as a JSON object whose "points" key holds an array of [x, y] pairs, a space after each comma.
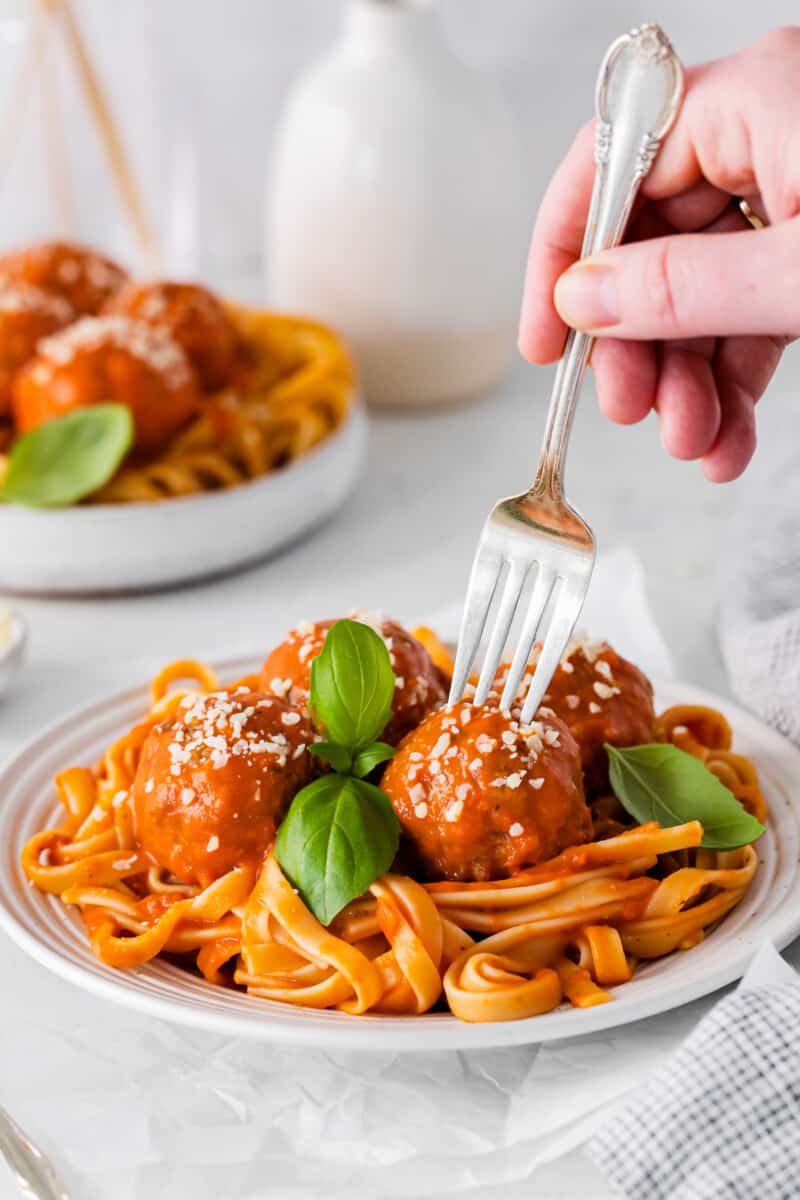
{"points": [[397, 208]]}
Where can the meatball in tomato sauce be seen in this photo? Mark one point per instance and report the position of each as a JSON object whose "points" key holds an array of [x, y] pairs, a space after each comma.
{"points": [[84, 278], [601, 697], [480, 796], [101, 360], [214, 783], [194, 317], [27, 314], [421, 686]]}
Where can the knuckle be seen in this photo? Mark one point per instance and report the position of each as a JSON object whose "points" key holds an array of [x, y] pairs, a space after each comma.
{"points": [[785, 39], [661, 285]]}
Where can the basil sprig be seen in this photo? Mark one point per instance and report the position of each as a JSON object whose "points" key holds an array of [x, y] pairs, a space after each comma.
{"points": [[340, 832], [352, 685], [370, 757], [659, 782], [340, 835], [69, 457], [353, 762]]}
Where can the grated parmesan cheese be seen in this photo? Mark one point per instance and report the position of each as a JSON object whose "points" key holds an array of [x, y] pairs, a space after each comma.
{"points": [[152, 345], [442, 744], [454, 810], [24, 297]]}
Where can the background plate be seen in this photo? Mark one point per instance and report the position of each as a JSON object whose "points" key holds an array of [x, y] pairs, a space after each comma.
{"points": [[118, 547], [54, 934]]}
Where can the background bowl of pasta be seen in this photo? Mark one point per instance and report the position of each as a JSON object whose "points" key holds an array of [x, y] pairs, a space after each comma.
{"points": [[151, 433], [226, 944]]}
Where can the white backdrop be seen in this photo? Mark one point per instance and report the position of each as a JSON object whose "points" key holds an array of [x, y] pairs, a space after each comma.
{"points": [[197, 86]]}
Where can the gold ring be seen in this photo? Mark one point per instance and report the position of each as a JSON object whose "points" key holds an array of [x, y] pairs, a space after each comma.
{"points": [[751, 217]]}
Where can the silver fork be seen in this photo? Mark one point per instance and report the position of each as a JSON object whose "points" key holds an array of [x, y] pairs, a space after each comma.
{"points": [[33, 1171], [639, 90]]}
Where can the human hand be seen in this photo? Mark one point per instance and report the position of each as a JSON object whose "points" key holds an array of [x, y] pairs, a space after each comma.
{"points": [[693, 313]]}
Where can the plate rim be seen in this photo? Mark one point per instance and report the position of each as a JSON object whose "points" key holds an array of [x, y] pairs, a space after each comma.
{"points": [[376, 1032]]}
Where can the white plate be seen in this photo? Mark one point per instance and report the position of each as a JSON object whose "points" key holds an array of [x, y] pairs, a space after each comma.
{"points": [[54, 934], [116, 547]]}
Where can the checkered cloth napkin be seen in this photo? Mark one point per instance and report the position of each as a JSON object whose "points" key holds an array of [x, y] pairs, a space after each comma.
{"points": [[759, 618], [721, 1119]]}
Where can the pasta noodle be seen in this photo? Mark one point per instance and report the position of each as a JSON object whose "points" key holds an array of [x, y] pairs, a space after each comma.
{"points": [[298, 391], [567, 929]]}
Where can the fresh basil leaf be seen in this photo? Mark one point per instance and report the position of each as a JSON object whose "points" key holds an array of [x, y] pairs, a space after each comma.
{"points": [[352, 685], [661, 783], [339, 757], [369, 758], [69, 457], [339, 835]]}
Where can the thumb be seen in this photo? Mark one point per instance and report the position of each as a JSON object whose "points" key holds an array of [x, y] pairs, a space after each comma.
{"points": [[688, 285]]}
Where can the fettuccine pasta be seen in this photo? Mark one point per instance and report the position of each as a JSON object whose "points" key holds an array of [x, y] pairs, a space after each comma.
{"points": [[568, 929]]}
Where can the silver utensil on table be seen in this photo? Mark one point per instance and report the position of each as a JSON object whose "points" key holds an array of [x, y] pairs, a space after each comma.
{"points": [[33, 1171], [639, 90]]}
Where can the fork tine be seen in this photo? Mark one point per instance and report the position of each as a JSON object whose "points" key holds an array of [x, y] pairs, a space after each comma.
{"points": [[515, 580], [569, 606], [482, 586], [545, 579]]}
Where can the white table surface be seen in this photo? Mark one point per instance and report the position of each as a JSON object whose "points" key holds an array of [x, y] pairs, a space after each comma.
{"points": [[403, 544]]}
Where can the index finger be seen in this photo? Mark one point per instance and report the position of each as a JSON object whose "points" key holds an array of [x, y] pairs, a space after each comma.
{"points": [[556, 243]]}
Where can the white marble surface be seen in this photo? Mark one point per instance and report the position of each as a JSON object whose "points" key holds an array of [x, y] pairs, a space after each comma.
{"points": [[402, 543]]}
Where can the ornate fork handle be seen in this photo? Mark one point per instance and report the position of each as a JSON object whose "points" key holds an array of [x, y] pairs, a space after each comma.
{"points": [[638, 95]]}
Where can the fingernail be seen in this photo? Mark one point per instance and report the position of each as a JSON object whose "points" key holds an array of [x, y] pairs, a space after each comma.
{"points": [[586, 297]]}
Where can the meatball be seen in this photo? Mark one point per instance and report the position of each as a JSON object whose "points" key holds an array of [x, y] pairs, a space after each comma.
{"points": [[481, 797], [214, 783], [27, 314], [601, 697], [196, 320], [84, 278], [109, 359], [420, 686]]}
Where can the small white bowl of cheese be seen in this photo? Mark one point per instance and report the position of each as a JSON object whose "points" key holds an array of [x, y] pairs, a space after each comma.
{"points": [[13, 635]]}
